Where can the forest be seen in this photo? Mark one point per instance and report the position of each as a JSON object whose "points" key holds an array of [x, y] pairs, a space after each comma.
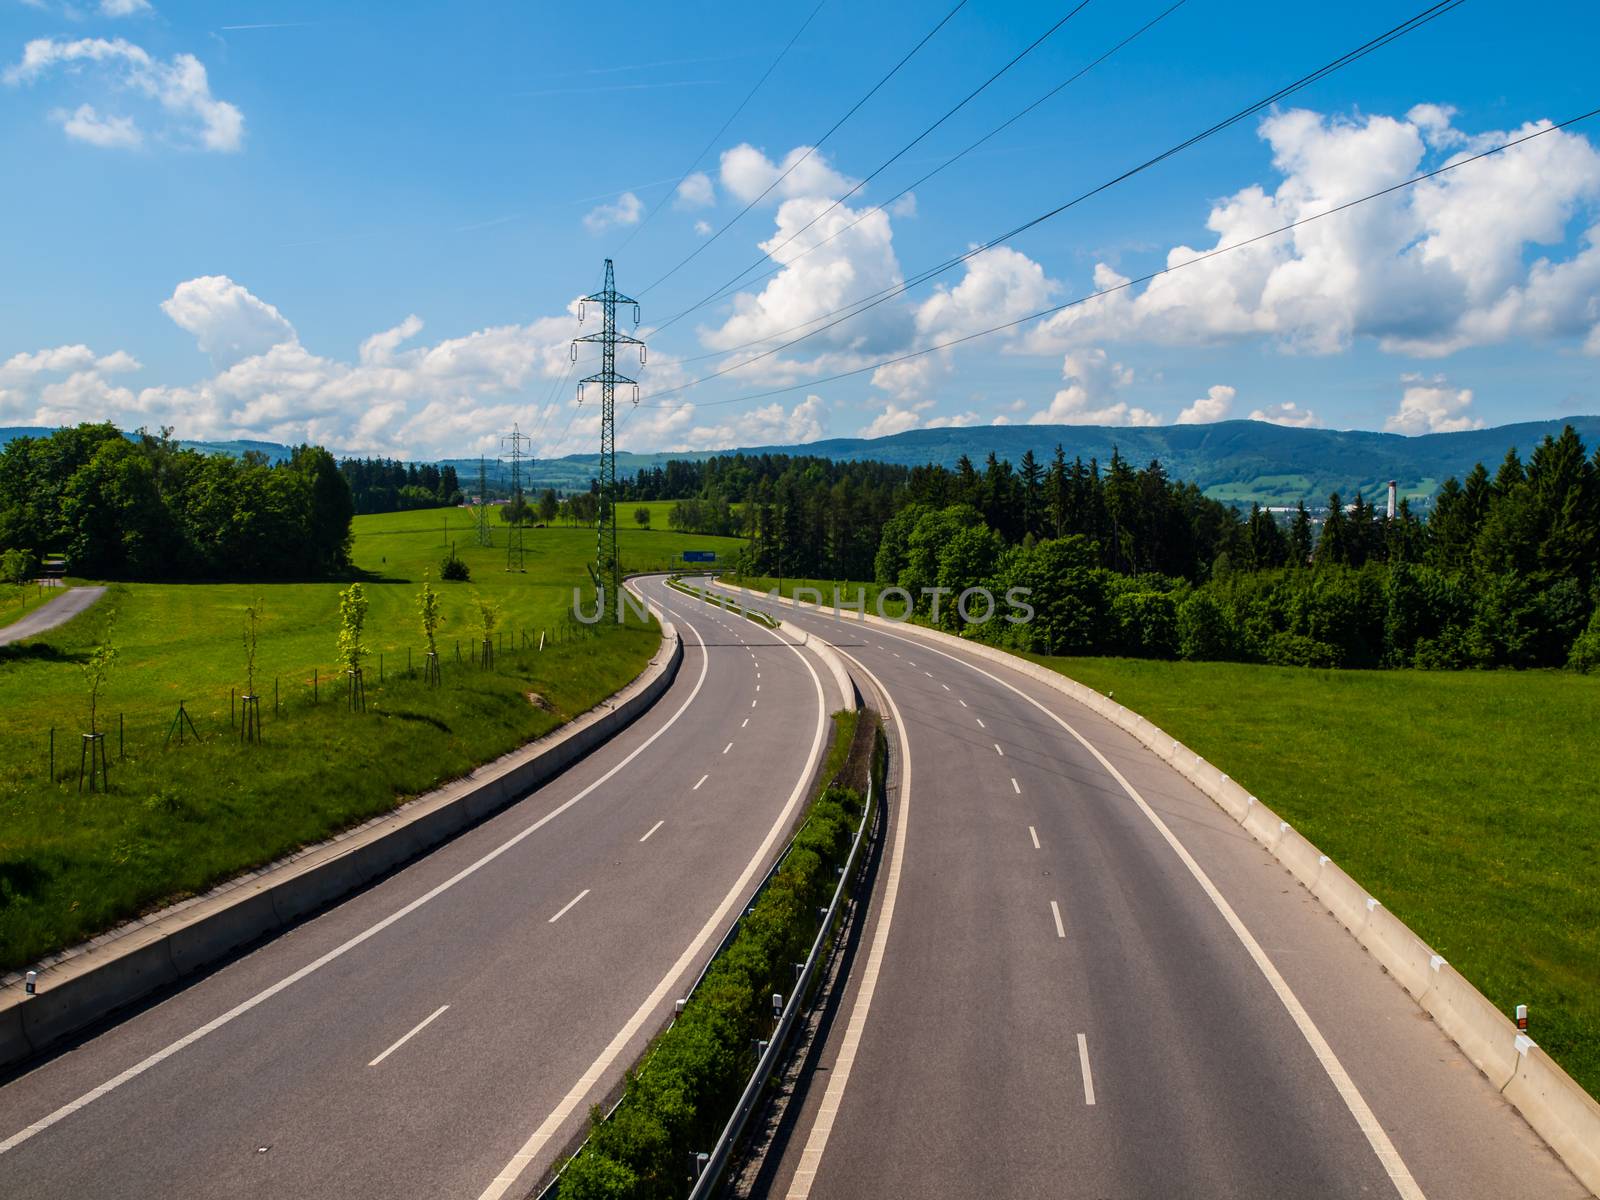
{"points": [[382, 485], [144, 508], [1125, 560]]}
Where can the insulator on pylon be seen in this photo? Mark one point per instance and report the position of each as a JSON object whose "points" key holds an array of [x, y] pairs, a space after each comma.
{"points": [[641, 356], [583, 311], [636, 393], [580, 393], [574, 351], [635, 314]]}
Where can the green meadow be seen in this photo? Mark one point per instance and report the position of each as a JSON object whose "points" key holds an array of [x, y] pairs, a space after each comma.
{"points": [[181, 818]]}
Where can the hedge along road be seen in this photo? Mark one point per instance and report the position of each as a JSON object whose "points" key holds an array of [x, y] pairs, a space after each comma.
{"points": [[1067, 1000], [490, 991]]}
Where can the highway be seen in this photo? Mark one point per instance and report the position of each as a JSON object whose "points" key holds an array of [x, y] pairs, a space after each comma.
{"points": [[443, 1032], [1079, 977]]}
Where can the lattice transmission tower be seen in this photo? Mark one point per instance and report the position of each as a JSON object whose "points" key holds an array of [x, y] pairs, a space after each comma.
{"points": [[608, 569], [515, 440], [485, 537]]}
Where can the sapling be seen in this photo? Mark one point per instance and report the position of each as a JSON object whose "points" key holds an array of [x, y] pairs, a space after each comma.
{"points": [[352, 622], [432, 618]]}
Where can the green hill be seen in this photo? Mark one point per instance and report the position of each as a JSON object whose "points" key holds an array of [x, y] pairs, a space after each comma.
{"points": [[1234, 461]]}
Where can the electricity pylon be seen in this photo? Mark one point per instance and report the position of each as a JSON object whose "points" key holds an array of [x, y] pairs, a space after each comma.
{"points": [[485, 538], [515, 439], [608, 569]]}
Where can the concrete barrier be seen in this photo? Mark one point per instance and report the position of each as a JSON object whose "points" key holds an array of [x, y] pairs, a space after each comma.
{"points": [[1483, 1032], [1560, 1111], [1543, 1094], [100, 978]]}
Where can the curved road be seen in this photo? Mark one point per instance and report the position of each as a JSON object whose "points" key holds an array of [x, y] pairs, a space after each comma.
{"points": [[444, 1032], [58, 610], [1079, 977]]}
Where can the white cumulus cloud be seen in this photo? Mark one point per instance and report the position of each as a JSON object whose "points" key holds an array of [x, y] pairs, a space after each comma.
{"points": [[747, 173], [226, 320], [179, 85], [85, 124], [1432, 406], [1443, 265], [696, 191], [1091, 395], [1287, 413], [1213, 406], [626, 211]]}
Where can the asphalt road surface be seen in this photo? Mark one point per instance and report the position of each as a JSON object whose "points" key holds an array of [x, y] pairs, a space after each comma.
{"points": [[1081, 978], [58, 610], [443, 1033]]}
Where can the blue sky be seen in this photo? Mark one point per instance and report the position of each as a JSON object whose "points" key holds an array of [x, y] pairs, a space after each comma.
{"points": [[365, 224]]}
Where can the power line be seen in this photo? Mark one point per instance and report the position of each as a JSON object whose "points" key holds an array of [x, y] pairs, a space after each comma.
{"points": [[856, 307], [916, 183], [749, 96], [810, 150], [1129, 283], [888, 162]]}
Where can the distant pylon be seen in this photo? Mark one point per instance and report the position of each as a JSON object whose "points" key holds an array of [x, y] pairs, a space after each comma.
{"points": [[485, 537], [515, 439], [608, 568]]}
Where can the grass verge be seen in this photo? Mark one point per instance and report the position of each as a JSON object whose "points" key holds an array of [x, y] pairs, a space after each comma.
{"points": [[1462, 800], [179, 819]]}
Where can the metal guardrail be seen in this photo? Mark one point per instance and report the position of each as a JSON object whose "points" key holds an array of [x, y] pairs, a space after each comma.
{"points": [[717, 1161], [786, 1022]]}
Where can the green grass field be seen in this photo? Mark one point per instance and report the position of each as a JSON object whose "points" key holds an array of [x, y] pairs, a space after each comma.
{"points": [[660, 511], [180, 819], [1465, 801]]}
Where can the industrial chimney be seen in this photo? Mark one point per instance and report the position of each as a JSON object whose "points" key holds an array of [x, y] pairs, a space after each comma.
{"points": [[1391, 499]]}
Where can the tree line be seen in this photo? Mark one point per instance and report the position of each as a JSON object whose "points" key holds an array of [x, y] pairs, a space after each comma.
{"points": [[144, 508], [1125, 560], [381, 485]]}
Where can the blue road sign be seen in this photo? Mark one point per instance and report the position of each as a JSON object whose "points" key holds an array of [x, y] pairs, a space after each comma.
{"points": [[699, 556]]}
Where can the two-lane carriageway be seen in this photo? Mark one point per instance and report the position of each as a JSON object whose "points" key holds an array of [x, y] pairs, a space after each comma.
{"points": [[444, 1032], [1080, 978]]}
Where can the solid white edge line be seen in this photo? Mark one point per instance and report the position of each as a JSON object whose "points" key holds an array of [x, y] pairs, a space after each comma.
{"points": [[1055, 911], [1388, 1157], [415, 1029], [652, 829], [839, 1076], [1034, 834], [261, 997], [567, 907], [1083, 1061], [570, 1103]]}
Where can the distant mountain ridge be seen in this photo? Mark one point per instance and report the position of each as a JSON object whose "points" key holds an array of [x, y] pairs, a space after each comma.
{"points": [[1236, 461]]}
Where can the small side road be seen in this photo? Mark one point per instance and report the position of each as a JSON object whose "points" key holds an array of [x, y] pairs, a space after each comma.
{"points": [[50, 614]]}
